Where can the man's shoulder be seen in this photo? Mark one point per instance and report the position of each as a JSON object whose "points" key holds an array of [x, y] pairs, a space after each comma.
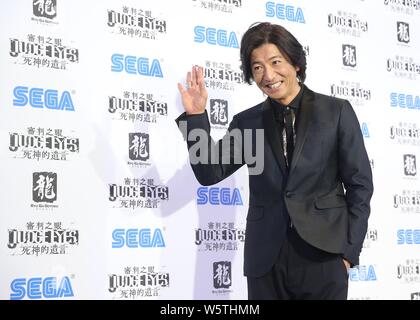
{"points": [[251, 113], [327, 98]]}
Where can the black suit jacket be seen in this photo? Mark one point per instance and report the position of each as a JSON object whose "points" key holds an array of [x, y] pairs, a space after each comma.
{"points": [[326, 192]]}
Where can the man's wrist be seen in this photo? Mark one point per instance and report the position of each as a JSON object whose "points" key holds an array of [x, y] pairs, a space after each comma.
{"points": [[195, 113]]}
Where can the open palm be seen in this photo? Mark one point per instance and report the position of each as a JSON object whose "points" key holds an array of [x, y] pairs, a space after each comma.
{"points": [[194, 97]]}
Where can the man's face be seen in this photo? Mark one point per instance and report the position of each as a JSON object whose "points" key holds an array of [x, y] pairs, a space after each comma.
{"points": [[273, 74]]}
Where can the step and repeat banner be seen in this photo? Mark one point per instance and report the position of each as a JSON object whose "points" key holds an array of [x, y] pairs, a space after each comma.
{"points": [[97, 197]]}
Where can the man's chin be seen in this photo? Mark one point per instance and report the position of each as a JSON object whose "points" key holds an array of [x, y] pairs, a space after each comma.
{"points": [[274, 96]]}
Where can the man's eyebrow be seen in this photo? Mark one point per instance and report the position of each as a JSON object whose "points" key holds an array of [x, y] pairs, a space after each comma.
{"points": [[271, 58]]}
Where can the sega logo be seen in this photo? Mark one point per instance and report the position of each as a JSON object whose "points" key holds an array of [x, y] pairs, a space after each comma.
{"points": [[408, 236], [136, 65], [40, 98], [216, 37], [37, 288], [284, 12], [362, 273], [365, 130], [134, 238], [217, 196], [405, 101]]}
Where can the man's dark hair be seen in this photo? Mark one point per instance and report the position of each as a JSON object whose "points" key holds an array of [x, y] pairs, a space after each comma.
{"points": [[265, 32]]}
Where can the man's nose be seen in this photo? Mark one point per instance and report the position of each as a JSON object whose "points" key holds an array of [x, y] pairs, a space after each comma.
{"points": [[268, 74]]}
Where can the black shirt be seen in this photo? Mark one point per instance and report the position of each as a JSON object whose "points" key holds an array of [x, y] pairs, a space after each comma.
{"points": [[294, 104], [279, 110]]}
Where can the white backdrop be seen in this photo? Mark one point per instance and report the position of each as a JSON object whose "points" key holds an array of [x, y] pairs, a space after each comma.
{"points": [[97, 198]]}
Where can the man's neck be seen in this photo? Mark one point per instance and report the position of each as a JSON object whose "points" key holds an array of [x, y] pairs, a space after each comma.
{"points": [[296, 91]]}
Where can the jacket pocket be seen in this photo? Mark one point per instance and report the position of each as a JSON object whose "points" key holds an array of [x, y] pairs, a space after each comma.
{"points": [[255, 213], [334, 201]]}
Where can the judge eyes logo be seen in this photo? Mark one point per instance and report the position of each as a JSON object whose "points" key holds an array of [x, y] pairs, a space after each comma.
{"points": [[347, 23], [351, 90], [138, 282], [349, 55], [408, 201], [134, 22], [403, 6], [403, 67], [405, 133], [43, 52], [409, 271]]}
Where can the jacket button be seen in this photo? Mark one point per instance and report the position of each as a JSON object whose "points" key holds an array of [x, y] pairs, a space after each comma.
{"points": [[288, 194]]}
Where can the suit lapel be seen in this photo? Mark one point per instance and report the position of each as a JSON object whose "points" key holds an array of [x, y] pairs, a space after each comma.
{"points": [[272, 135], [305, 115]]}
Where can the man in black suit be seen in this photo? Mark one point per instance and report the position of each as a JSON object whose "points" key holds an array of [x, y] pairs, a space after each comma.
{"points": [[309, 205]]}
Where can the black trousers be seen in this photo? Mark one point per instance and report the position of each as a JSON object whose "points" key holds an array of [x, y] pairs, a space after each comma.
{"points": [[302, 272]]}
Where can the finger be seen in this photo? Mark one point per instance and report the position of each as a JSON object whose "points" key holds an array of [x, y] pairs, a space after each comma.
{"points": [[189, 80], [189, 77], [200, 77], [181, 88], [194, 75]]}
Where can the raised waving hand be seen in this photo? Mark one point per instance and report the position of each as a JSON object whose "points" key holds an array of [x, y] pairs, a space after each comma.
{"points": [[194, 96]]}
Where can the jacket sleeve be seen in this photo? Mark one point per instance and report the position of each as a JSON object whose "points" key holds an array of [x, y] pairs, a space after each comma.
{"points": [[356, 175], [211, 161]]}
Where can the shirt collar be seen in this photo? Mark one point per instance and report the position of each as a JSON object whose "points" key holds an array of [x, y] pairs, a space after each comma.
{"points": [[294, 104]]}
